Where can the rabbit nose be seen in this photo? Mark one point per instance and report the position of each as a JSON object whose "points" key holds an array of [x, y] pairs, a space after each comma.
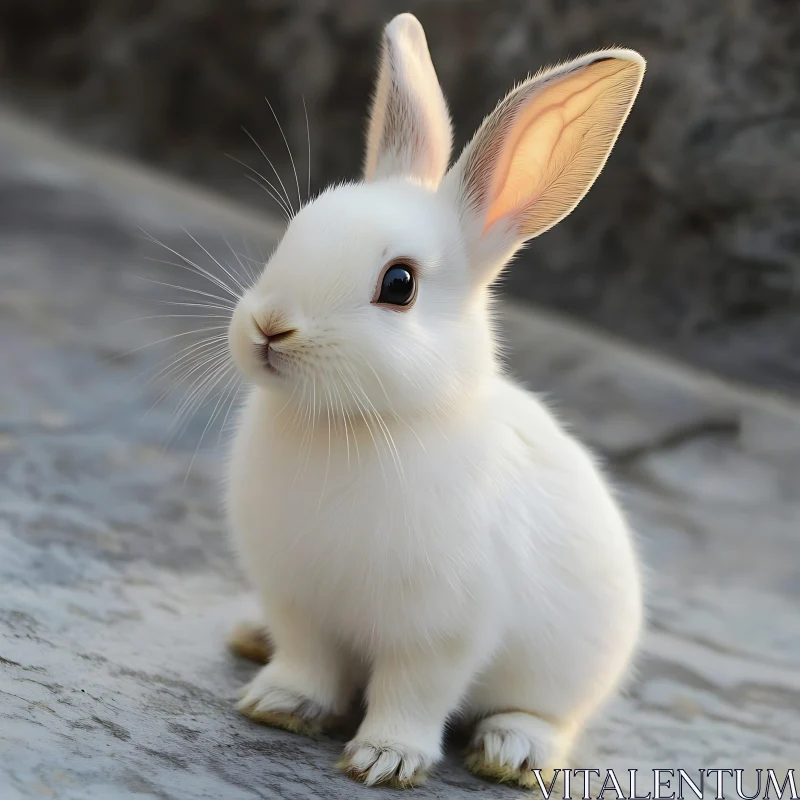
{"points": [[272, 335], [273, 327], [273, 331]]}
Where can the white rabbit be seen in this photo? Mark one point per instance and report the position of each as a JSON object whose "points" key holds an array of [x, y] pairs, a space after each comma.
{"points": [[414, 522]]}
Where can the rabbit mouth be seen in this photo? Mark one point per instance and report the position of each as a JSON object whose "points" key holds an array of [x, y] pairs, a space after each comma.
{"points": [[270, 363], [269, 360]]}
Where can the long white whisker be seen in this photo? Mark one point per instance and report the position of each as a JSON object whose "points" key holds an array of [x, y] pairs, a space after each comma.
{"points": [[210, 275], [389, 400], [189, 361], [167, 338], [308, 137], [285, 406], [230, 408], [217, 339], [203, 349], [349, 415], [288, 150], [387, 435], [261, 150], [212, 279], [230, 394], [286, 214], [205, 386], [248, 272], [328, 462], [187, 304], [176, 316], [212, 366], [361, 410], [187, 289], [312, 424], [216, 261], [309, 417], [265, 184], [184, 371], [209, 423], [345, 415]]}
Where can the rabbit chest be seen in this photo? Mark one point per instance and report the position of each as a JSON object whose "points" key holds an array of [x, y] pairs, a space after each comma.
{"points": [[370, 531]]}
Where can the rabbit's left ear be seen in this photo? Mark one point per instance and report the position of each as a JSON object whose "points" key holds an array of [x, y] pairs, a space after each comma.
{"points": [[538, 153], [409, 131]]}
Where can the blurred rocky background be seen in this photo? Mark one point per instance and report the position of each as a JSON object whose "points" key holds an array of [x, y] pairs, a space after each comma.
{"points": [[690, 240]]}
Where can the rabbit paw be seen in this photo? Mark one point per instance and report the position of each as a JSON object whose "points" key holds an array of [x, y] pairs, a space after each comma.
{"points": [[506, 748], [266, 702], [385, 762], [251, 641]]}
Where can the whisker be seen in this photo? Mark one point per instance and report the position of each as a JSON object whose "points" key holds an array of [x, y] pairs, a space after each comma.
{"points": [[209, 423], [269, 188], [217, 338], [187, 289], [386, 433], [231, 303], [184, 370], [218, 263], [166, 339], [214, 306], [389, 400], [328, 462], [230, 408], [308, 431], [261, 150], [212, 365], [176, 316], [205, 386], [288, 150], [349, 415], [309, 418], [210, 278], [308, 137], [248, 272], [210, 275], [202, 349], [335, 389], [258, 261], [287, 215], [361, 410], [285, 406], [229, 397]]}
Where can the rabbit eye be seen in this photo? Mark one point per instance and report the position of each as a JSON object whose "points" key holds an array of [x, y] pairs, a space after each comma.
{"points": [[398, 286]]}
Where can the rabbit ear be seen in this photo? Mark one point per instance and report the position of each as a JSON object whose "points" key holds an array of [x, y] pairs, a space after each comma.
{"points": [[538, 153], [409, 131]]}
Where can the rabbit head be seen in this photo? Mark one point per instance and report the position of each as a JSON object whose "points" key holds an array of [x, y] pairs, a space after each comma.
{"points": [[377, 298]]}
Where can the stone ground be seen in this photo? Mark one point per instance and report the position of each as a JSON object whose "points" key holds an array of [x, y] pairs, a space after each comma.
{"points": [[116, 585]]}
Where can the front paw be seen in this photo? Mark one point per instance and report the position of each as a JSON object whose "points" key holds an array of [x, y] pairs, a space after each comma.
{"points": [[387, 762], [267, 702]]}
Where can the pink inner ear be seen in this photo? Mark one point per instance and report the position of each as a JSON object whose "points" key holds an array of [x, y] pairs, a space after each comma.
{"points": [[559, 141]]}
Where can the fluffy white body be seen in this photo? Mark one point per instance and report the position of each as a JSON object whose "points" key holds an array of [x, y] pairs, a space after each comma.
{"points": [[414, 523], [490, 573]]}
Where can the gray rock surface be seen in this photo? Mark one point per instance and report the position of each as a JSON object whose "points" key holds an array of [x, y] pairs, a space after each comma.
{"points": [[690, 239], [116, 584]]}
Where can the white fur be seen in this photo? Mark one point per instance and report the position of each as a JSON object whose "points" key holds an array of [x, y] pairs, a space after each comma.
{"points": [[412, 520]]}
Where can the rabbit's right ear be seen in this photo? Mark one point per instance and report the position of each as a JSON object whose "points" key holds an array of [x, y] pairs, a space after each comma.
{"points": [[409, 133], [538, 153]]}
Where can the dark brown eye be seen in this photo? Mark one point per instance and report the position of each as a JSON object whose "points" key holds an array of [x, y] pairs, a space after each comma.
{"points": [[398, 286]]}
